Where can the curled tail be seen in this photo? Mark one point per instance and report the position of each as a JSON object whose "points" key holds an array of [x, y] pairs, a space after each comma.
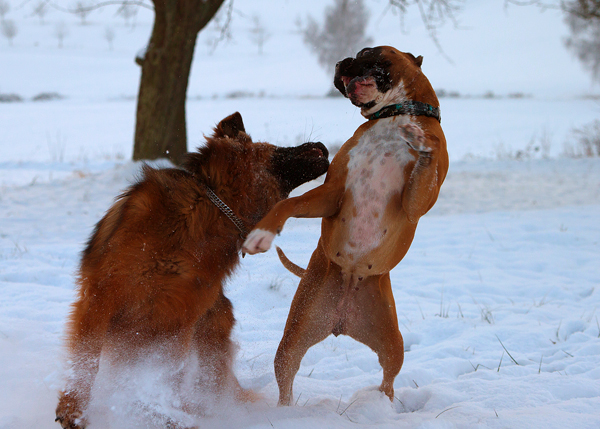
{"points": [[291, 267]]}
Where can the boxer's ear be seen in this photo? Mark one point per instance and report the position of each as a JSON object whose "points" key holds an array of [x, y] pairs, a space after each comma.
{"points": [[231, 126], [417, 60]]}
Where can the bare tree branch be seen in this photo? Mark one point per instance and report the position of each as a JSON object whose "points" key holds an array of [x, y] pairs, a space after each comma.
{"points": [[434, 14], [102, 4]]}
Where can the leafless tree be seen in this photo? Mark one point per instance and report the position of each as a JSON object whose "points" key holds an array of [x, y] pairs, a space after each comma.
{"points": [[109, 35], [4, 8], [219, 30], [82, 10], [9, 30], [342, 33], [128, 12], [160, 129], [434, 14], [40, 10], [259, 34], [60, 32], [583, 19]]}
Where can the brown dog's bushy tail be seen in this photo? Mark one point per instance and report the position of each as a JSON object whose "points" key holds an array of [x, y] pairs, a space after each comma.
{"points": [[291, 267]]}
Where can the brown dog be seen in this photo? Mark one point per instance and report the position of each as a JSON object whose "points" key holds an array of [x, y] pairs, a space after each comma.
{"points": [[151, 277], [379, 184]]}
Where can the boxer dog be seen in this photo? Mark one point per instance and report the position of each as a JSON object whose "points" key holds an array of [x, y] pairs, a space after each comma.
{"points": [[151, 277], [382, 180]]}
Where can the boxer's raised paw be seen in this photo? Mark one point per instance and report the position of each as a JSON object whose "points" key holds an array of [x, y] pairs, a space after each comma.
{"points": [[257, 241], [415, 137]]}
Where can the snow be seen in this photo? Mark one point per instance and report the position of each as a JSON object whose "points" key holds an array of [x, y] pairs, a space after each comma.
{"points": [[497, 298]]}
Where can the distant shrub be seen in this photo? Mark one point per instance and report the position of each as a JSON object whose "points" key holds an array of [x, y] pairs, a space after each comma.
{"points": [[518, 95], [241, 94], [47, 96], [442, 93], [586, 142], [10, 98]]}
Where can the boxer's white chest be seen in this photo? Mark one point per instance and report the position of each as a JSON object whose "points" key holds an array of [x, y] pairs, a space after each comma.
{"points": [[375, 173]]}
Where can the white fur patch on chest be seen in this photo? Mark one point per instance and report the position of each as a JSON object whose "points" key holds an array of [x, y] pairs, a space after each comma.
{"points": [[375, 172]]}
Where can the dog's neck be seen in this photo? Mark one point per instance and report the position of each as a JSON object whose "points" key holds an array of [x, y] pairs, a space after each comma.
{"points": [[227, 212], [408, 107]]}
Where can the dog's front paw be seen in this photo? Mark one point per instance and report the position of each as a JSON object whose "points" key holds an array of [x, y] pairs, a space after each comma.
{"points": [[414, 136], [258, 240]]}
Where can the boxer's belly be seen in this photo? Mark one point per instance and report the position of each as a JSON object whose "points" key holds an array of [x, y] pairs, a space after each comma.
{"points": [[371, 223]]}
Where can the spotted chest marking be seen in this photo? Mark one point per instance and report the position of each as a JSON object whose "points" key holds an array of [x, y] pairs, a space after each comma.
{"points": [[375, 172]]}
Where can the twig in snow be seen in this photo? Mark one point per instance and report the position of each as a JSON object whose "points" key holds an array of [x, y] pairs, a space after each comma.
{"points": [[339, 402], [346, 409], [567, 353], [447, 409], [420, 309], [297, 399], [500, 364], [540, 368], [416, 384], [507, 352], [270, 423], [401, 403]]}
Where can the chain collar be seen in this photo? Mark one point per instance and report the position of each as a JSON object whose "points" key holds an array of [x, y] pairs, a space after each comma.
{"points": [[226, 211]]}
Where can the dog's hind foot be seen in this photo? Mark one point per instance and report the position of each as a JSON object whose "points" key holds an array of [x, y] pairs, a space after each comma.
{"points": [[68, 412]]}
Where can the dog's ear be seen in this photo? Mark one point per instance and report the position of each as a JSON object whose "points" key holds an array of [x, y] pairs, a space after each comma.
{"points": [[231, 126], [417, 60]]}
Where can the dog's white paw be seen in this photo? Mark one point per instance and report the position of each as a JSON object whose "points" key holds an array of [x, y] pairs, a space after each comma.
{"points": [[257, 241], [414, 137]]}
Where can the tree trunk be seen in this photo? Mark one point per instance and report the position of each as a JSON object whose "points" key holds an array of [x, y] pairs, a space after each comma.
{"points": [[160, 130]]}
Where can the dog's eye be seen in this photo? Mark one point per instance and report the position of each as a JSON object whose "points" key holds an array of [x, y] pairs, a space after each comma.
{"points": [[362, 52]]}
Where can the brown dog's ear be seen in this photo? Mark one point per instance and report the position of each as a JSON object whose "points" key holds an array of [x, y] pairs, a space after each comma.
{"points": [[231, 126], [418, 60]]}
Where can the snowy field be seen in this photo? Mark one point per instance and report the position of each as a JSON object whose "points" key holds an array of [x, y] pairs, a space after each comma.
{"points": [[498, 298]]}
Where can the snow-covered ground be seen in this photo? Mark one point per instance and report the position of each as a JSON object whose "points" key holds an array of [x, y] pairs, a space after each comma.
{"points": [[498, 299]]}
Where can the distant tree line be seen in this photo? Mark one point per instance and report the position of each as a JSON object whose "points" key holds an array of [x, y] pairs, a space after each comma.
{"points": [[166, 62]]}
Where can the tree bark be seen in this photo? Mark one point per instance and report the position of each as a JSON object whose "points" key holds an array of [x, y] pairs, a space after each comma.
{"points": [[160, 130]]}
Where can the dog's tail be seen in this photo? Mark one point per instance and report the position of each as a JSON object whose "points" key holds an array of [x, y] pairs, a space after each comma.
{"points": [[291, 267]]}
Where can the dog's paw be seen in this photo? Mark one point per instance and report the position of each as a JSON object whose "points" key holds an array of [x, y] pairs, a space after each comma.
{"points": [[258, 240], [68, 413], [248, 395], [414, 136], [69, 420]]}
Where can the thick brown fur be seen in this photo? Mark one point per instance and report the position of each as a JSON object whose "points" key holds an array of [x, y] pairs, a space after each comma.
{"points": [[379, 184], [152, 274]]}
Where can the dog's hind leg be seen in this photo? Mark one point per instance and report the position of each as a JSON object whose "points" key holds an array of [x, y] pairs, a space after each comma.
{"points": [[74, 400], [213, 344], [310, 321], [376, 325]]}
